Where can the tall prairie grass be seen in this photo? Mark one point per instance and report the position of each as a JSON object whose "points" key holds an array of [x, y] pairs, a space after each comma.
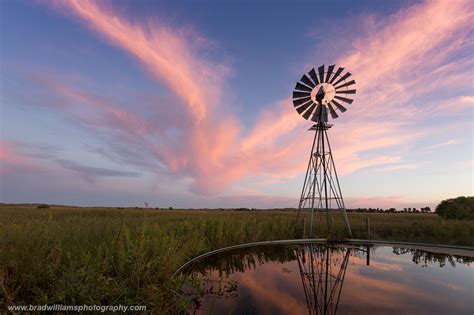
{"points": [[66, 255]]}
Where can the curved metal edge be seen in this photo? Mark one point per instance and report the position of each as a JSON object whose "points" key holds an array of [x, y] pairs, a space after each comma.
{"points": [[316, 240], [376, 242], [224, 249]]}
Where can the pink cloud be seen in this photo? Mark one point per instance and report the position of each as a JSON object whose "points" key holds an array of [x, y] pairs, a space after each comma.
{"points": [[12, 159], [164, 52], [86, 106], [398, 58], [402, 44], [396, 61], [451, 105], [212, 143], [168, 54], [444, 144], [405, 166]]}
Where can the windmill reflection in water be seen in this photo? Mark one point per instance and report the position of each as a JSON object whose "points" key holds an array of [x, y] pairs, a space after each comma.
{"points": [[322, 271]]}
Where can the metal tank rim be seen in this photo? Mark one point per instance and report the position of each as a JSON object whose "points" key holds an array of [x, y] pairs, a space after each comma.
{"points": [[460, 250]]}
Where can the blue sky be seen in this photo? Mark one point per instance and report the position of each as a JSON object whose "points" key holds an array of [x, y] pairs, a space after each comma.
{"points": [[188, 103]]}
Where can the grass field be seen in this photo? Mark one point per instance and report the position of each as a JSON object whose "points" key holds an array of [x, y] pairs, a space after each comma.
{"points": [[77, 256]]}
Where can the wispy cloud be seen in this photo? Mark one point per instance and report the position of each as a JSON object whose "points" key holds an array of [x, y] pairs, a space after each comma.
{"points": [[27, 157], [12, 159], [404, 166], [167, 53], [90, 172], [211, 140], [443, 144]]}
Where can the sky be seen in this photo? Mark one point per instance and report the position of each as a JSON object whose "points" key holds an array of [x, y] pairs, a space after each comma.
{"points": [[188, 103]]}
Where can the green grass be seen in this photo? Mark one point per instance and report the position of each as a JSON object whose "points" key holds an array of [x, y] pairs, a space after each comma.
{"points": [[70, 255]]}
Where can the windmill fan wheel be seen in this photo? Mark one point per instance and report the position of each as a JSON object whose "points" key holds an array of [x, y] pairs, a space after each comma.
{"points": [[327, 91]]}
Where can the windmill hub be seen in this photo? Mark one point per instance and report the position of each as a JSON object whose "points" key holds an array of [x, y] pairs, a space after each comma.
{"points": [[316, 95], [323, 93]]}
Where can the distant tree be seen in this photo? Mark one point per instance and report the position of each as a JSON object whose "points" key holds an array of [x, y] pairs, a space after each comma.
{"points": [[171, 208], [392, 210], [43, 206], [456, 208], [242, 209]]}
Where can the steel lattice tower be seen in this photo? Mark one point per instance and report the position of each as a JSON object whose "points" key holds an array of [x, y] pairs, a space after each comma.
{"points": [[321, 191]]}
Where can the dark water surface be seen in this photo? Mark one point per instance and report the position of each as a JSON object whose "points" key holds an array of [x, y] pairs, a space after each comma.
{"points": [[329, 278]]}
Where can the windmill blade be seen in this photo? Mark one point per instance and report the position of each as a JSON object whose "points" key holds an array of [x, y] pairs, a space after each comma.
{"points": [[309, 111], [317, 113], [339, 106], [307, 81], [333, 113], [313, 76], [345, 84], [321, 74], [300, 101], [298, 94], [338, 72], [345, 76], [324, 114], [347, 100], [346, 92], [330, 69], [302, 87], [302, 108]]}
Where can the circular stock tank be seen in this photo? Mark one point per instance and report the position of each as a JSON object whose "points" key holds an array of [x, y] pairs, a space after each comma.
{"points": [[320, 277]]}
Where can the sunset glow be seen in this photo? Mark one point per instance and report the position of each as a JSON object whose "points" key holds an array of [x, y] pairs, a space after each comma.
{"points": [[188, 104]]}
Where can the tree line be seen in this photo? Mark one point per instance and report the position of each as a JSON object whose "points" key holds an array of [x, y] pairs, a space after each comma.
{"points": [[392, 210]]}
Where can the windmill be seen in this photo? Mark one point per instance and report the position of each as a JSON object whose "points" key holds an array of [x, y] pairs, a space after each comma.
{"points": [[316, 95]]}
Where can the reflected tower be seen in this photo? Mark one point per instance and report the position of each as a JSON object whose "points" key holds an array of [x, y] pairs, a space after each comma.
{"points": [[322, 271]]}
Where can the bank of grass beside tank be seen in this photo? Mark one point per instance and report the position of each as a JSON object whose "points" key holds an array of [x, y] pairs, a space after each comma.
{"points": [[70, 255]]}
